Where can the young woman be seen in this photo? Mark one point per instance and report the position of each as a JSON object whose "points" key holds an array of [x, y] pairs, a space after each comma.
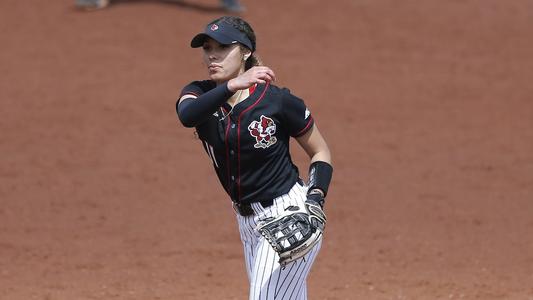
{"points": [[244, 123]]}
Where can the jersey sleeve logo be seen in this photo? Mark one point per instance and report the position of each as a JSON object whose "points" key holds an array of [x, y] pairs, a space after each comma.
{"points": [[263, 131]]}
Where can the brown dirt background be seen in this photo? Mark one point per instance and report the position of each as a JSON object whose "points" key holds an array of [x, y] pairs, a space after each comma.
{"points": [[427, 106]]}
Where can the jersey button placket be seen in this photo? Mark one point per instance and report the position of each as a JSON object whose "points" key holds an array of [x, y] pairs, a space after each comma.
{"points": [[233, 159]]}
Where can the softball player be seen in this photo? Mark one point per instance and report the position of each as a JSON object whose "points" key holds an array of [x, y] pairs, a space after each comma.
{"points": [[244, 123]]}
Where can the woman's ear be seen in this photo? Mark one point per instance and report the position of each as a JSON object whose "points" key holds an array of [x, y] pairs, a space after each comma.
{"points": [[246, 55]]}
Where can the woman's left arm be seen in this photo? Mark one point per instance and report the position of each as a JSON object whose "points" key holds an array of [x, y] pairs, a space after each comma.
{"points": [[315, 146], [320, 169]]}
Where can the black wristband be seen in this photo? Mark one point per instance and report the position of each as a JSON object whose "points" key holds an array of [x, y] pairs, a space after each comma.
{"points": [[320, 173]]}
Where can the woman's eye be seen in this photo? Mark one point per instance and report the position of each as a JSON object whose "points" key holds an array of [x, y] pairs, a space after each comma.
{"points": [[206, 47]]}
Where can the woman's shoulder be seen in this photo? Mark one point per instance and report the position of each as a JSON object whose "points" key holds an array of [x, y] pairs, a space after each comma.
{"points": [[282, 93], [279, 91]]}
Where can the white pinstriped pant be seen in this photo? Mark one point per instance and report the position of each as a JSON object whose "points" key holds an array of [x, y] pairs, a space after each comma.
{"points": [[268, 280]]}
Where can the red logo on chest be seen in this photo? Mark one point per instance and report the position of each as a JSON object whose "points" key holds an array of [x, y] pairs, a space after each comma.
{"points": [[263, 131]]}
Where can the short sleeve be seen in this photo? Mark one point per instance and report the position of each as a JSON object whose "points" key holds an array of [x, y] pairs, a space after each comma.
{"points": [[297, 116]]}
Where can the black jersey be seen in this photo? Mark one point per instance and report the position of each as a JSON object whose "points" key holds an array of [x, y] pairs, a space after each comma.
{"points": [[249, 144]]}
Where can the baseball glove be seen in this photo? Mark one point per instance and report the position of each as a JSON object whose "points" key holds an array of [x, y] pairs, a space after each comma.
{"points": [[293, 233]]}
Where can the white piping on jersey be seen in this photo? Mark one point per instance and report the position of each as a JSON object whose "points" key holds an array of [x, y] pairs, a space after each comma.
{"points": [[211, 153]]}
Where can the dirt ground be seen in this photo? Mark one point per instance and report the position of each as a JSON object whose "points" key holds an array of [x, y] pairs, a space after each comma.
{"points": [[427, 106]]}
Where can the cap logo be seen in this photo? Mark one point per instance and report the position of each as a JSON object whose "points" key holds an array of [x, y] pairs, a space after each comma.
{"points": [[214, 27]]}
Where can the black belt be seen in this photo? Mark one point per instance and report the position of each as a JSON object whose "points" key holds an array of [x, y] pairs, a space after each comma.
{"points": [[245, 209]]}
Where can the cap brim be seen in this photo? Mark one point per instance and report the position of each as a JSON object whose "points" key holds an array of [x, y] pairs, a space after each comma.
{"points": [[199, 39]]}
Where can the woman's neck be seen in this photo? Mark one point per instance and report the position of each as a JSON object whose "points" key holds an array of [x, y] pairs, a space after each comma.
{"points": [[238, 97]]}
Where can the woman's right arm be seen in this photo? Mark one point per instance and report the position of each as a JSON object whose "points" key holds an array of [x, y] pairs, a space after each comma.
{"points": [[194, 106], [193, 109]]}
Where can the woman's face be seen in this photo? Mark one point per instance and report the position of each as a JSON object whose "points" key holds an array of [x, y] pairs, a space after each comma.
{"points": [[223, 62]]}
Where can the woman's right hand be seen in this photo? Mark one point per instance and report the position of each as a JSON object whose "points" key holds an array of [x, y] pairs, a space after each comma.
{"points": [[258, 74]]}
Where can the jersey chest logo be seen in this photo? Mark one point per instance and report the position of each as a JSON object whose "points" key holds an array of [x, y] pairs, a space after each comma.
{"points": [[263, 131]]}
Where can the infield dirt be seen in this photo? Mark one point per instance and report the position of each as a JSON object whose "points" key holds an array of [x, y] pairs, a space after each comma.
{"points": [[426, 105]]}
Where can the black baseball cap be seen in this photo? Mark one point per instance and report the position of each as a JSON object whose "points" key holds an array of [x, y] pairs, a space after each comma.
{"points": [[223, 33]]}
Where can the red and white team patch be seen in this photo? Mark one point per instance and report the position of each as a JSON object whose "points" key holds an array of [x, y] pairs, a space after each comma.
{"points": [[214, 27], [263, 131]]}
